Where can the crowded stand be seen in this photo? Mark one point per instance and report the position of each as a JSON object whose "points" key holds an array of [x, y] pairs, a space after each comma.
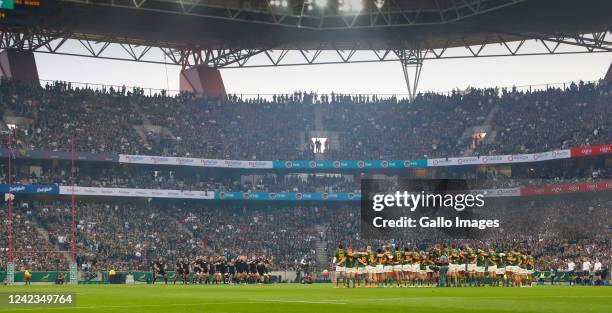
{"points": [[130, 234], [32, 248], [433, 125]]}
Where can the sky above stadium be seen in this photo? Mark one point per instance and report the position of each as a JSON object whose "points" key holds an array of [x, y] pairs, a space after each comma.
{"points": [[380, 78]]}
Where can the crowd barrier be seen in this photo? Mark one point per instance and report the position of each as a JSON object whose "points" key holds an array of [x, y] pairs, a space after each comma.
{"points": [[37, 277]]}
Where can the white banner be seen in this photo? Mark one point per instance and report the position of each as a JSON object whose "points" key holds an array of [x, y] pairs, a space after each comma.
{"points": [[501, 159], [504, 192], [135, 192], [149, 159]]}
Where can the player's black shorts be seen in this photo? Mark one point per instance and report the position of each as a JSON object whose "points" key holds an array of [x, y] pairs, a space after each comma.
{"points": [[161, 273]]}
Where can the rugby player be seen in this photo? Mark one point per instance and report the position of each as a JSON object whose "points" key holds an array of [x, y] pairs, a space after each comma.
{"points": [[491, 266], [480, 266], [362, 262], [407, 266], [372, 279], [159, 269], [340, 263], [398, 262], [350, 267]]}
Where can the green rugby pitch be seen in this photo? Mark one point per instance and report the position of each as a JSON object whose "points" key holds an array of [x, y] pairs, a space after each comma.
{"points": [[319, 298]]}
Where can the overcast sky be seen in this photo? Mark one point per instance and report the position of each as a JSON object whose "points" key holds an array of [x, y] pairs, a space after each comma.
{"points": [[385, 78]]}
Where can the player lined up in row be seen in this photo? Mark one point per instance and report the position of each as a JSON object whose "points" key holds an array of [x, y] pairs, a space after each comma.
{"points": [[223, 269]]}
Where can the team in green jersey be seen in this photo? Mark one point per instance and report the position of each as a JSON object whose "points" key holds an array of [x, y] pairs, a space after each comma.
{"points": [[414, 268]]}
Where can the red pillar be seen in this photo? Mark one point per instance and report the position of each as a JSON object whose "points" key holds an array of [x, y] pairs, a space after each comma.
{"points": [[609, 74], [18, 65], [202, 80]]}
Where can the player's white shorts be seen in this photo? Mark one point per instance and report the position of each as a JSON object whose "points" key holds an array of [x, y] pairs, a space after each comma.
{"points": [[350, 270], [340, 269], [529, 272], [397, 268], [501, 270], [361, 270], [518, 270], [380, 268], [406, 267], [388, 268], [512, 269], [416, 267], [429, 270], [471, 267], [492, 269], [369, 269], [453, 268]]}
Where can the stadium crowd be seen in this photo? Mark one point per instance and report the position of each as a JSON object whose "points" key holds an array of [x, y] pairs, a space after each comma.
{"points": [[129, 234], [433, 125]]}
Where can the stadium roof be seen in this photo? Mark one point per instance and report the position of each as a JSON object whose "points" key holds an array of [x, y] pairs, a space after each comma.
{"points": [[255, 24], [229, 33]]}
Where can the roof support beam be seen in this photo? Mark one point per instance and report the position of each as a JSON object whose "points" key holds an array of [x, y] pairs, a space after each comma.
{"points": [[55, 42]]}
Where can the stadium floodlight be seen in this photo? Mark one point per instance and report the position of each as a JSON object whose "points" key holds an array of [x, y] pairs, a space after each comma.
{"points": [[279, 3], [379, 3], [350, 6]]}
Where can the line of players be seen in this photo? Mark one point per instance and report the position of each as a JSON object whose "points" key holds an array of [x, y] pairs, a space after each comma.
{"points": [[216, 270], [462, 266]]}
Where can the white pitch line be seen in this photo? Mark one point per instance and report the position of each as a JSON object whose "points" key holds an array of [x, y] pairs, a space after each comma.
{"points": [[29, 308], [302, 301]]}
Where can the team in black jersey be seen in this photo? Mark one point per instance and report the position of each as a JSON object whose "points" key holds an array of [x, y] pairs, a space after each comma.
{"points": [[182, 270], [217, 270]]}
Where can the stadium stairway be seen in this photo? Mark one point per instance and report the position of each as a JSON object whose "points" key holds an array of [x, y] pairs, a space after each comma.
{"points": [[44, 233], [140, 129], [148, 127], [321, 256]]}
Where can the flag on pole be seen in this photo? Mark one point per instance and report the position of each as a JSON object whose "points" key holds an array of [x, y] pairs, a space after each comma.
{"points": [[8, 196]]}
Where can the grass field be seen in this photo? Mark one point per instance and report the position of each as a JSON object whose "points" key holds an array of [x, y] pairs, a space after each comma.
{"points": [[320, 298]]}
